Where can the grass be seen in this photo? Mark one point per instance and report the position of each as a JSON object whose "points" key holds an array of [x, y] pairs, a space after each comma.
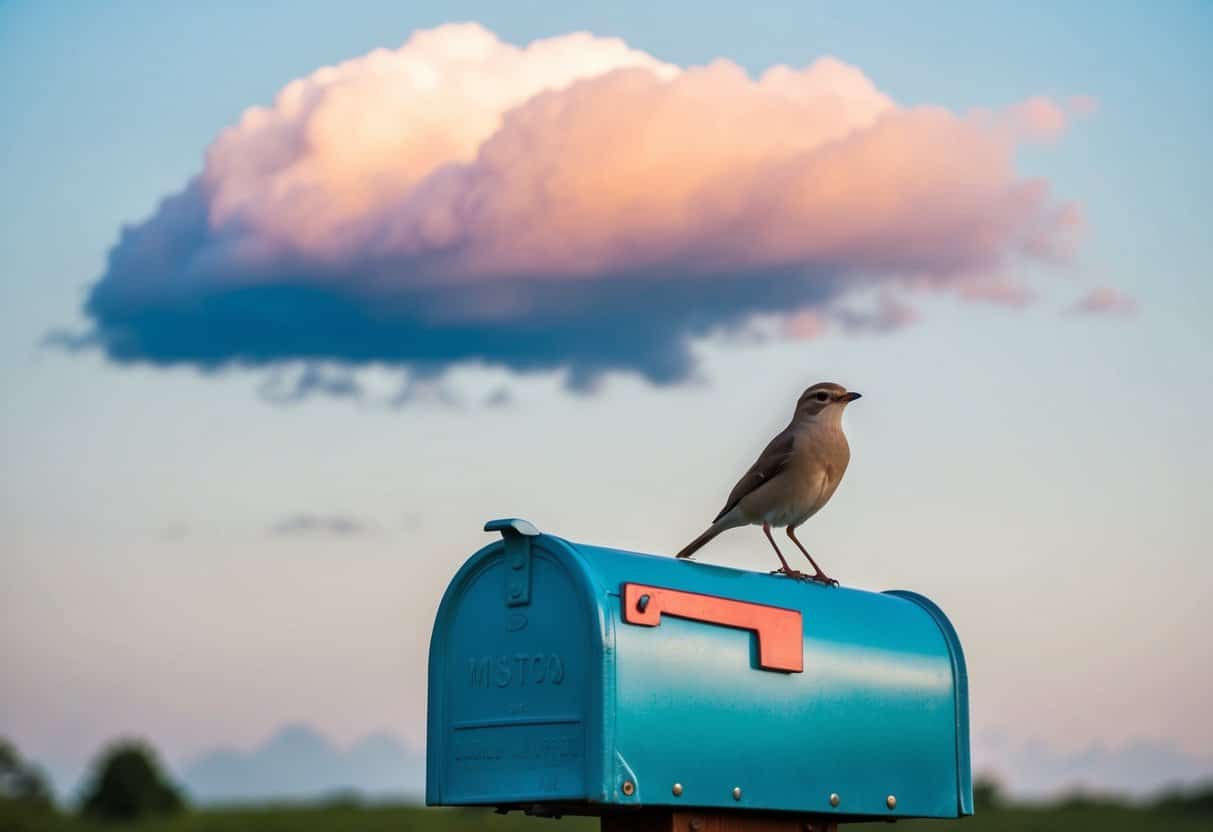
{"points": [[308, 819], [1075, 817]]}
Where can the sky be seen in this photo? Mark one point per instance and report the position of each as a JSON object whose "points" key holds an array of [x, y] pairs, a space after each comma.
{"points": [[251, 430]]}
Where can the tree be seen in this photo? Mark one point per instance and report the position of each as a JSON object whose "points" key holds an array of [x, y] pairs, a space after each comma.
{"points": [[1194, 800], [128, 783], [25, 799], [20, 782], [987, 793]]}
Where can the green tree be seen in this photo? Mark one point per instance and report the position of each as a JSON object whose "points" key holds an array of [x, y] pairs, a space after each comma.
{"points": [[128, 783], [1197, 800], [20, 782], [25, 799], [987, 793]]}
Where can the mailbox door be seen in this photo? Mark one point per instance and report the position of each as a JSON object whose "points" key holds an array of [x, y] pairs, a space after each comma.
{"points": [[513, 686]]}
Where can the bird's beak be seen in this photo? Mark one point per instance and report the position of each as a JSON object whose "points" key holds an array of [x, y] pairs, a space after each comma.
{"points": [[852, 396]]}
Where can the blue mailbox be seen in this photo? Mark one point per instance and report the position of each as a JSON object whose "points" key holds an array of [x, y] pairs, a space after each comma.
{"points": [[566, 678]]}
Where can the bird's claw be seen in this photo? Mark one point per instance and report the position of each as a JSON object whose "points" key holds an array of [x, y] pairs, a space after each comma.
{"points": [[819, 578]]}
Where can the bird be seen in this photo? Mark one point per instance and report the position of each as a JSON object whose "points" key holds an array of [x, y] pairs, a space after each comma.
{"points": [[795, 475]]}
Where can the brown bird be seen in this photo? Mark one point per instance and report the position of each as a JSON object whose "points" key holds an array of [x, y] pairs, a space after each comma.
{"points": [[794, 476]]}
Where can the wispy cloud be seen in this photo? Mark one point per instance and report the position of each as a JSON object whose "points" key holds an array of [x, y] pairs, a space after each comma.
{"points": [[72, 341], [282, 387], [501, 397], [1105, 300], [572, 204], [332, 525], [887, 315]]}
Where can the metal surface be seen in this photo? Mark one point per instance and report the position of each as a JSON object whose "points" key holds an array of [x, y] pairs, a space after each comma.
{"points": [[558, 702], [676, 790], [835, 800], [779, 631], [964, 770], [517, 535], [514, 524], [891, 801]]}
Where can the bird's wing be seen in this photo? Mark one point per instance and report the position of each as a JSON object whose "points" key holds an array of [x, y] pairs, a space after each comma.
{"points": [[771, 462]]}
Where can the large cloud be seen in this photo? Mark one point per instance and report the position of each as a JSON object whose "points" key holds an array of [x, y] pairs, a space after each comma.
{"points": [[574, 203]]}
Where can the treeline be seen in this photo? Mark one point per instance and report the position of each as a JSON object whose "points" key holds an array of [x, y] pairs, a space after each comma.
{"points": [[1196, 801], [126, 783]]}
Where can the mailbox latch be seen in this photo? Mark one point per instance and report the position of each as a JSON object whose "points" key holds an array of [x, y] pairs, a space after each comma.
{"points": [[779, 631], [517, 534]]}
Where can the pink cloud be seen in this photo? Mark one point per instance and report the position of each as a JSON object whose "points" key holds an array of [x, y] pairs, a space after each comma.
{"points": [[1083, 105], [1044, 119], [1040, 117], [456, 197], [1105, 300], [576, 156], [330, 162], [999, 291], [804, 326]]}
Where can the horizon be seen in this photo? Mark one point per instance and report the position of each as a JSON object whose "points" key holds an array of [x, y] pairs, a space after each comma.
{"points": [[229, 774]]}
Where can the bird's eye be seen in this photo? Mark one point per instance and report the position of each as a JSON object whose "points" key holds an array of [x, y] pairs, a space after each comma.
{"points": [[823, 396]]}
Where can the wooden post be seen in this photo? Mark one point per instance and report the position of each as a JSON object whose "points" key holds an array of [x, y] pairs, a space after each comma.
{"points": [[707, 821]]}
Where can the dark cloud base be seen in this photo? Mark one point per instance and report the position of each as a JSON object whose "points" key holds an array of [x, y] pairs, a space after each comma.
{"points": [[159, 308]]}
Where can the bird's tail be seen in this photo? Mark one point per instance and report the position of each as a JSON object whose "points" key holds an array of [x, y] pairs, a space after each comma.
{"points": [[695, 545]]}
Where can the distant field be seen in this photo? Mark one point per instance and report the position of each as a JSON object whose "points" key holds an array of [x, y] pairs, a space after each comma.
{"points": [[340, 819]]}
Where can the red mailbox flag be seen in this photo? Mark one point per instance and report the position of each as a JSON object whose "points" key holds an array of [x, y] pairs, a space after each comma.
{"points": [[779, 631]]}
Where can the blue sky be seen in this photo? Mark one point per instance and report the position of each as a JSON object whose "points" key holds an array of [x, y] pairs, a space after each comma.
{"points": [[1042, 475]]}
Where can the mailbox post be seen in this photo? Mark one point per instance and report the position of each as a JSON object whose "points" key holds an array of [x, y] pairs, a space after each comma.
{"points": [[662, 694]]}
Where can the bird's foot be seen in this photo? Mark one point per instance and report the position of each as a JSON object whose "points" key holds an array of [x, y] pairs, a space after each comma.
{"points": [[792, 573], [823, 578]]}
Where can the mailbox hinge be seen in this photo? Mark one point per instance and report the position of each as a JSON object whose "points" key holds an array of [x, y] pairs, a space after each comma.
{"points": [[517, 535]]}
